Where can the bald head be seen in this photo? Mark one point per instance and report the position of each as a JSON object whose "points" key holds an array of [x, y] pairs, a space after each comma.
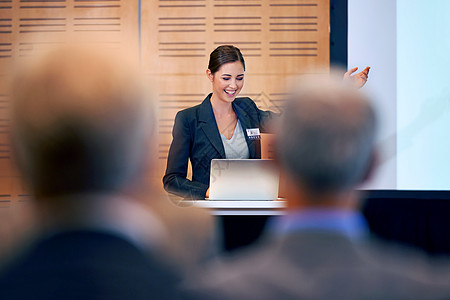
{"points": [[326, 136], [81, 121]]}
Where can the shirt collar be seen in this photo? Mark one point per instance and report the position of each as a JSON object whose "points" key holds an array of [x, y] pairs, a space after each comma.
{"points": [[346, 222]]}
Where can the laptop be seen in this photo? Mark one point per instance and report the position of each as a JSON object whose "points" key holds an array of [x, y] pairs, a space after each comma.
{"points": [[243, 179]]}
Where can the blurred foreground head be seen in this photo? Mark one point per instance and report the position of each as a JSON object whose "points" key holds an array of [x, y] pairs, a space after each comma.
{"points": [[325, 142], [81, 122]]}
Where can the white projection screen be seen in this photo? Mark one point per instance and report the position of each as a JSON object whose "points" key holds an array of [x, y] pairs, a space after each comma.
{"points": [[407, 45]]}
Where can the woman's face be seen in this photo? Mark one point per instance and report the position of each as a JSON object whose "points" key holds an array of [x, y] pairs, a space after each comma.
{"points": [[227, 81]]}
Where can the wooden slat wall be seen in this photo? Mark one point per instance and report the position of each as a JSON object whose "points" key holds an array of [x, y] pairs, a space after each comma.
{"points": [[279, 39], [28, 27]]}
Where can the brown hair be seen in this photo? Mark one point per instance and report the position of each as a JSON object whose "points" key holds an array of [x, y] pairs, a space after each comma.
{"points": [[80, 116], [222, 55]]}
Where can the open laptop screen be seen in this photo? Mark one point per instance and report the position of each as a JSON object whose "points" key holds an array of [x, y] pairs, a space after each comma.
{"points": [[243, 179]]}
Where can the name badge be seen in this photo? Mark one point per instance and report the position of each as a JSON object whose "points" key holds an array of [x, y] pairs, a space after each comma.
{"points": [[253, 134]]}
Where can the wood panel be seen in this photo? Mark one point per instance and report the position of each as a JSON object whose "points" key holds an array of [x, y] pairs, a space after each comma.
{"points": [[280, 39], [29, 27], [275, 36]]}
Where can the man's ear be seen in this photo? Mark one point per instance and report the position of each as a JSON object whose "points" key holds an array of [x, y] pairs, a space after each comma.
{"points": [[210, 75], [370, 167]]}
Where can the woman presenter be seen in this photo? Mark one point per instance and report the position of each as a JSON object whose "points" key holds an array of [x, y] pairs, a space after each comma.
{"points": [[222, 126]]}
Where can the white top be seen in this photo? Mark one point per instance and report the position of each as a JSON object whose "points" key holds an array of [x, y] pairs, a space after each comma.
{"points": [[236, 147], [241, 208]]}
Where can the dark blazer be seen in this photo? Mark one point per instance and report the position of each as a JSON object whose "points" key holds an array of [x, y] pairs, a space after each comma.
{"points": [[312, 264], [87, 265], [196, 137]]}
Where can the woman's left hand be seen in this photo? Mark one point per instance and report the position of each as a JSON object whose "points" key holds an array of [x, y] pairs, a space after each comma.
{"points": [[358, 80]]}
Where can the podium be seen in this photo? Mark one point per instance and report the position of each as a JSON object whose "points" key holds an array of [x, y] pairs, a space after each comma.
{"points": [[241, 207]]}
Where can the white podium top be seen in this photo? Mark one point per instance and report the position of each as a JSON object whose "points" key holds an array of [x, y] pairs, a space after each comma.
{"points": [[241, 207]]}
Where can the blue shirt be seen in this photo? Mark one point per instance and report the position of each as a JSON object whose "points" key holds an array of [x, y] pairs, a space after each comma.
{"points": [[349, 223]]}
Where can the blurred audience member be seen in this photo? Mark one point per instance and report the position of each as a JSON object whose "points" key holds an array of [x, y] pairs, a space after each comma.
{"points": [[321, 248], [82, 123]]}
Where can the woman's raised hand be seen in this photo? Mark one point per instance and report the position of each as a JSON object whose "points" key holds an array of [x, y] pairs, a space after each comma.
{"points": [[359, 79]]}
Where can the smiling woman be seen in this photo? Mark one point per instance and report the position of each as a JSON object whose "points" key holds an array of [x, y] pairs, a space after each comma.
{"points": [[222, 126]]}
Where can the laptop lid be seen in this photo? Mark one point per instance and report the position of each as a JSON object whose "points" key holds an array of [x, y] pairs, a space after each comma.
{"points": [[243, 179]]}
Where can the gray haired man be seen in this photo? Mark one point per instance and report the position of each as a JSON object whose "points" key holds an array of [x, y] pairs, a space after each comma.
{"points": [[321, 248]]}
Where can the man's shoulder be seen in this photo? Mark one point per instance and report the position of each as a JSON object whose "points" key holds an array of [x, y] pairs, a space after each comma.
{"points": [[66, 249], [325, 266], [90, 260]]}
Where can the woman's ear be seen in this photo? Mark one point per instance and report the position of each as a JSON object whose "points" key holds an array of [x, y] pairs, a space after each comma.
{"points": [[210, 75]]}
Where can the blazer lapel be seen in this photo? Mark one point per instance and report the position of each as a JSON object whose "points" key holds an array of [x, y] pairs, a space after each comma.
{"points": [[246, 124], [209, 126]]}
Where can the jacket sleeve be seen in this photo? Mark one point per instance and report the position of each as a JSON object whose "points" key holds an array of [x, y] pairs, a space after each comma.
{"points": [[175, 180]]}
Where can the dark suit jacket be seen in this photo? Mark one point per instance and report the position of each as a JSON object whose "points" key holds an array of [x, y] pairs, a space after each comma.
{"points": [[87, 265], [324, 265], [196, 137]]}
